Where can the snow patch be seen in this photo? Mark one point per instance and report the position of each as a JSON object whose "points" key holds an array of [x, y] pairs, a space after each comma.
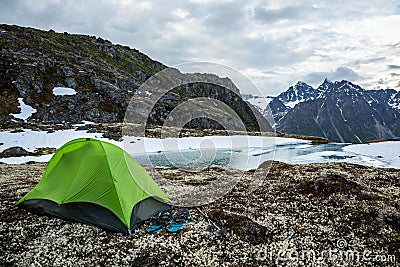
{"points": [[388, 152], [31, 140], [395, 105], [21, 160], [293, 103], [26, 110], [358, 138], [63, 91], [341, 111], [84, 123]]}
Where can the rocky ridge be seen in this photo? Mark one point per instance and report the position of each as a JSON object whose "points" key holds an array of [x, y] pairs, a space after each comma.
{"points": [[105, 76]]}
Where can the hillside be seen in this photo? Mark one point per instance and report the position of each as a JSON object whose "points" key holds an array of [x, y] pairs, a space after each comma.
{"points": [[102, 77]]}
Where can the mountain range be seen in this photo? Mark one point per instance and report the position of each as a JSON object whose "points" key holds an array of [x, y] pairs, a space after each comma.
{"points": [[339, 111]]}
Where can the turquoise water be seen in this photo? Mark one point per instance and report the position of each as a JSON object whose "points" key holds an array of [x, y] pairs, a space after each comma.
{"points": [[250, 158]]}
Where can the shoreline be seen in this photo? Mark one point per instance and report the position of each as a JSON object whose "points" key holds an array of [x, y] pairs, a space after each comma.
{"points": [[21, 146], [115, 130]]}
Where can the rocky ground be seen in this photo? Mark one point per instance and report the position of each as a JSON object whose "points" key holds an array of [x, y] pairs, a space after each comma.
{"points": [[349, 217]]}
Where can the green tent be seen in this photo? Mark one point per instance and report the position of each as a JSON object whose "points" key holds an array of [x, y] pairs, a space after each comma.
{"points": [[98, 183]]}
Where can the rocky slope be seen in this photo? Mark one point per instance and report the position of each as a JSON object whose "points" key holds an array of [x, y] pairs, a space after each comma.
{"points": [[104, 76], [295, 210], [339, 111]]}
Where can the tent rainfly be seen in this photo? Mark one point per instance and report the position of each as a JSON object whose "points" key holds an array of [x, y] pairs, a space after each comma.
{"points": [[98, 183]]}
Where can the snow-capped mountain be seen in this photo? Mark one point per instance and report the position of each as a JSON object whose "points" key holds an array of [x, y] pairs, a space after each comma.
{"points": [[341, 111], [296, 94], [279, 106], [394, 100]]}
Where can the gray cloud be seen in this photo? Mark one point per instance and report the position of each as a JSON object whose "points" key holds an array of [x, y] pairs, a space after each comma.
{"points": [[393, 67], [225, 17], [341, 73], [370, 60], [268, 15], [291, 41]]}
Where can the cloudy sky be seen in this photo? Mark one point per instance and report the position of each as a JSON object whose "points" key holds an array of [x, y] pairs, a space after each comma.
{"points": [[275, 43]]}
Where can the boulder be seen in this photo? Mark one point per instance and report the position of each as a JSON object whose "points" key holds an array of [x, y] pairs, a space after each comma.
{"points": [[14, 152]]}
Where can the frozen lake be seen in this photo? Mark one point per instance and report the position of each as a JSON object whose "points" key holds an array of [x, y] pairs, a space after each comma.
{"points": [[240, 152], [250, 158]]}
